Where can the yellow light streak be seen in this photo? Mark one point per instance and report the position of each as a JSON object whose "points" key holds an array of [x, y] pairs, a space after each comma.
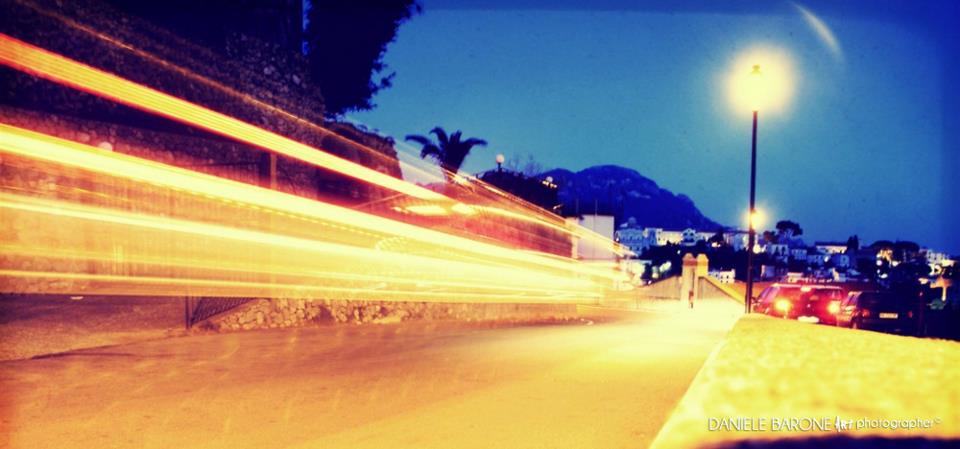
{"points": [[39, 146], [39, 62], [42, 63], [265, 241]]}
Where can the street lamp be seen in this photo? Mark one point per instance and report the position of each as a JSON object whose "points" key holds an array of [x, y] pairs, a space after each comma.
{"points": [[500, 160], [754, 91]]}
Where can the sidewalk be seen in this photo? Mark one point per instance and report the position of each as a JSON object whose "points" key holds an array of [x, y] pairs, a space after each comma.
{"points": [[31, 326]]}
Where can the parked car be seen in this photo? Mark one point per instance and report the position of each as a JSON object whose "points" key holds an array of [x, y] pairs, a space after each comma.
{"points": [[812, 303], [877, 310]]}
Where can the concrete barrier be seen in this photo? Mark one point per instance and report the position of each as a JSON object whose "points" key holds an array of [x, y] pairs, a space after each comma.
{"points": [[774, 379]]}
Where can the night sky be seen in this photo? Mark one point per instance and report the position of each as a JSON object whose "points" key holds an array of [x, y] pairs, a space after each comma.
{"points": [[866, 145]]}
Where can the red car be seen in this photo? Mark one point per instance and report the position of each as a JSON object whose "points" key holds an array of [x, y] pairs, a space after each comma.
{"points": [[804, 302]]}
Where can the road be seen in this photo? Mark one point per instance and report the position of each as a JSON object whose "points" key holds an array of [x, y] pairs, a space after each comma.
{"points": [[405, 385]]}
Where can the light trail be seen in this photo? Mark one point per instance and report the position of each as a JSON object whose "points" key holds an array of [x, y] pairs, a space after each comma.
{"points": [[37, 61], [34, 145], [44, 64], [256, 243], [229, 238], [416, 166]]}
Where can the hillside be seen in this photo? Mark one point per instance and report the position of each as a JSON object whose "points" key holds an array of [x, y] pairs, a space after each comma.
{"points": [[625, 193]]}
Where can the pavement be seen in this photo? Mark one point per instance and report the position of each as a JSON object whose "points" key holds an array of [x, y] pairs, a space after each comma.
{"points": [[34, 325], [406, 385]]}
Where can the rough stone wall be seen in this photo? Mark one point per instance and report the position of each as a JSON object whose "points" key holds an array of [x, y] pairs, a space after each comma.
{"points": [[277, 313], [261, 83], [668, 288]]}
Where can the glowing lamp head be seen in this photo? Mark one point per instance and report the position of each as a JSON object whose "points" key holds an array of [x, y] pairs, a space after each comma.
{"points": [[756, 88], [755, 219], [500, 158], [760, 79]]}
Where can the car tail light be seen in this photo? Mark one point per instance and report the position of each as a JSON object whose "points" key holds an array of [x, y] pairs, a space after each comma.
{"points": [[909, 314], [865, 313], [782, 305], [834, 307]]}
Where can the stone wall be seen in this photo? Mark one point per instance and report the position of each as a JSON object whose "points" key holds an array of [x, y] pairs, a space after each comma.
{"points": [[668, 288], [278, 313], [258, 82]]}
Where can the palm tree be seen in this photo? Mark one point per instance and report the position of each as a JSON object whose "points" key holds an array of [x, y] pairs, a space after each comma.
{"points": [[448, 151]]}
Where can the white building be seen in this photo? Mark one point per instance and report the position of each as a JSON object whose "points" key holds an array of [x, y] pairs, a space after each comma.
{"points": [[737, 240], [936, 257], [816, 259], [777, 249], [841, 260], [831, 247], [724, 276], [634, 238], [591, 250], [639, 240]]}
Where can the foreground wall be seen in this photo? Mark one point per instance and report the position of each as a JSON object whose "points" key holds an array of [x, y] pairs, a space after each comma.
{"points": [[265, 313]]}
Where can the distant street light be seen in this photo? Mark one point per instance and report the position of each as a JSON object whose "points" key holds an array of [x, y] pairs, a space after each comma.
{"points": [[771, 91], [755, 93], [500, 160]]}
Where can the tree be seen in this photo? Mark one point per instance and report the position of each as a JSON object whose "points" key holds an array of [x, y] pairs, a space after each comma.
{"points": [[769, 237], [449, 151], [789, 228], [346, 41], [529, 167], [853, 243], [717, 239]]}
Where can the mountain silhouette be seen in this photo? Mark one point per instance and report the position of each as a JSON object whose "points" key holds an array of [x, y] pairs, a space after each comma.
{"points": [[625, 193]]}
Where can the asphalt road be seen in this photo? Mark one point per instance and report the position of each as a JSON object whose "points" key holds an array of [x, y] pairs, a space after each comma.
{"points": [[448, 385]]}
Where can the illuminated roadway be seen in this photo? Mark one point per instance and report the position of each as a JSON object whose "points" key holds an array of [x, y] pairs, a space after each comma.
{"points": [[410, 385]]}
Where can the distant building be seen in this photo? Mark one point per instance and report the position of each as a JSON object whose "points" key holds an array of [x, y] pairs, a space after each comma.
{"points": [[634, 238], [724, 276], [815, 258], [738, 240], [831, 247], [777, 249], [591, 250], [936, 257], [639, 240], [841, 260]]}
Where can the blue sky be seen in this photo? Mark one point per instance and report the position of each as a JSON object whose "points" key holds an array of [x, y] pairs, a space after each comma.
{"points": [[858, 150]]}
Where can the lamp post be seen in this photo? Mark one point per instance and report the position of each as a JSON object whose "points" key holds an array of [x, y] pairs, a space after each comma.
{"points": [[755, 80], [500, 160]]}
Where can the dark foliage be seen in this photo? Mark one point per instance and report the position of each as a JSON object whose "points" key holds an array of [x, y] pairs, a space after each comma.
{"points": [[853, 243], [529, 188], [786, 225], [346, 41], [449, 150]]}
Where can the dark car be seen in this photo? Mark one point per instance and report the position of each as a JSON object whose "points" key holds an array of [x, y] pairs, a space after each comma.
{"points": [[813, 303], [877, 310]]}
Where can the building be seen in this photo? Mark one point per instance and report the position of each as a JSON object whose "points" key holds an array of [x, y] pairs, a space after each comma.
{"points": [[841, 260], [831, 247], [634, 238], [724, 276], [815, 258], [639, 240], [781, 250], [590, 250], [738, 240], [936, 257]]}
